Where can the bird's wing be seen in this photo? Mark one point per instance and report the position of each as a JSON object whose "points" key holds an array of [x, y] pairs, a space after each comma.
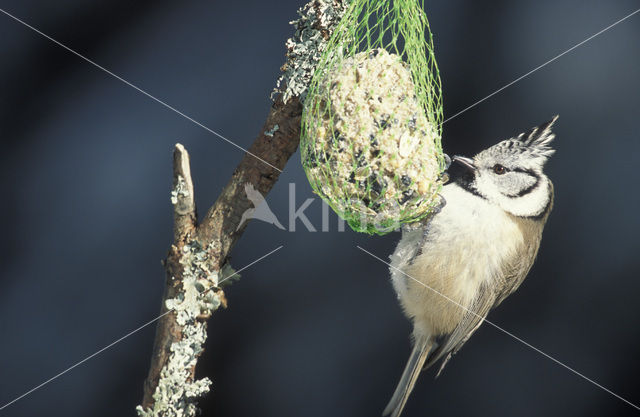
{"points": [[516, 270], [484, 301], [515, 273], [512, 273]]}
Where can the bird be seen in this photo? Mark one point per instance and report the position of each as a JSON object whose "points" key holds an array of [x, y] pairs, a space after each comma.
{"points": [[466, 258]]}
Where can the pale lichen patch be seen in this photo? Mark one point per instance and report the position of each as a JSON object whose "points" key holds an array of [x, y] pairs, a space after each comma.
{"points": [[271, 131], [198, 278], [177, 392], [317, 21], [179, 190]]}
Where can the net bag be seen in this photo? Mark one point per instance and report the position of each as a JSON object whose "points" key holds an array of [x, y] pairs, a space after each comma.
{"points": [[371, 124]]}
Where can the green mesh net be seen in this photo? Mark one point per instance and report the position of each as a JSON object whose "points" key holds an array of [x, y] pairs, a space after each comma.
{"points": [[372, 117]]}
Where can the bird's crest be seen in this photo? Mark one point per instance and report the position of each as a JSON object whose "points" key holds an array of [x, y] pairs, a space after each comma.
{"points": [[533, 145]]}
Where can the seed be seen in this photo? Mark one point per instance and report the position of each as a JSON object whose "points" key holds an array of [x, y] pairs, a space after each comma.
{"points": [[377, 184], [383, 122], [406, 196], [412, 122]]}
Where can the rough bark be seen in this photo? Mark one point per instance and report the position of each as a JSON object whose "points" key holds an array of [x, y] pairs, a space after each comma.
{"points": [[221, 221], [199, 251], [217, 232]]}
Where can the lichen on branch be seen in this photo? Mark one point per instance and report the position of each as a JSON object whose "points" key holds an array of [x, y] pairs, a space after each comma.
{"points": [[177, 390], [317, 21], [197, 261]]}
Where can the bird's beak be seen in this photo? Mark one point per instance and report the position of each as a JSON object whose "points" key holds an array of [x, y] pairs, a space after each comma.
{"points": [[461, 169], [467, 163]]}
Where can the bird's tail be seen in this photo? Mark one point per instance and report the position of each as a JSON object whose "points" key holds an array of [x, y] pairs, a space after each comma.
{"points": [[409, 377]]}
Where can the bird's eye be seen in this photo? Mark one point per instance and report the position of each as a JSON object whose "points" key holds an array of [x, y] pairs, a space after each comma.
{"points": [[499, 169]]}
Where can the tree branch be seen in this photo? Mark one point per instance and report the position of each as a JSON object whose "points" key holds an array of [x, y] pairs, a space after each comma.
{"points": [[222, 220], [194, 265], [182, 197]]}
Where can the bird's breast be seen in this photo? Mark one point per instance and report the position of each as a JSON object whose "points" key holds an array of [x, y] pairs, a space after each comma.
{"points": [[464, 246]]}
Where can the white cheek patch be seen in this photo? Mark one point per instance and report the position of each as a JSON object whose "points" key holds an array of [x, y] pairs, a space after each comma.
{"points": [[531, 203], [516, 184], [486, 187]]}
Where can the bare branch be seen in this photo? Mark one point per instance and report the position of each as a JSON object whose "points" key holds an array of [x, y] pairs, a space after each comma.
{"points": [[182, 197], [220, 225]]}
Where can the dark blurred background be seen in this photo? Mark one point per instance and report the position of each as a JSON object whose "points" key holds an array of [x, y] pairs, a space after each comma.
{"points": [[315, 329]]}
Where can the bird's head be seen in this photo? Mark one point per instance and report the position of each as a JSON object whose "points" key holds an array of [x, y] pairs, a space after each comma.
{"points": [[510, 173]]}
